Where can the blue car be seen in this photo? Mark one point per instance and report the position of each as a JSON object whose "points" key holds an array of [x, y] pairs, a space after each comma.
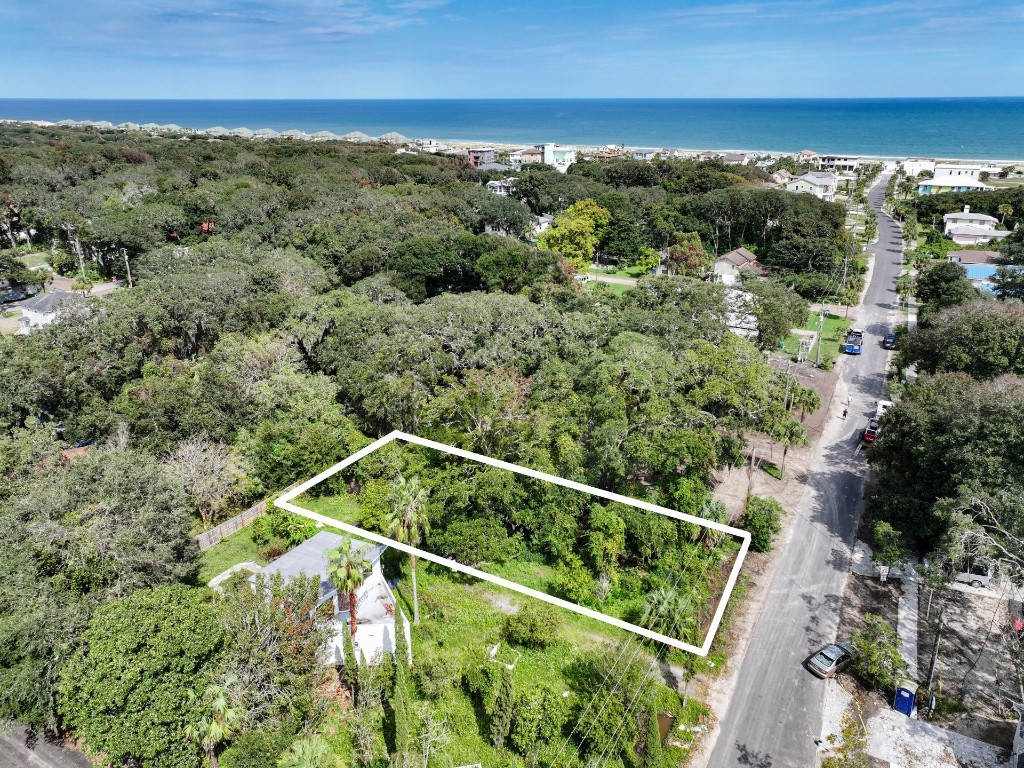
{"points": [[854, 343]]}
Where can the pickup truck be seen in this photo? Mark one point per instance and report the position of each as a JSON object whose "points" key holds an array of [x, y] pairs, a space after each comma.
{"points": [[854, 343], [872, 429]]}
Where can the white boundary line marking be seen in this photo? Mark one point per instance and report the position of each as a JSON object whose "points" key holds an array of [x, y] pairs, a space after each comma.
{"points": [[285, 502]]}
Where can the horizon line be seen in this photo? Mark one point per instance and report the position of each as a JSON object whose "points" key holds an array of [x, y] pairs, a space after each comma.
{"points": [[523, 98]]}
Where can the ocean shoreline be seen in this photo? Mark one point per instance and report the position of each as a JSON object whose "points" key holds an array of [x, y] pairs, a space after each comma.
{"points": [[214, 134]]}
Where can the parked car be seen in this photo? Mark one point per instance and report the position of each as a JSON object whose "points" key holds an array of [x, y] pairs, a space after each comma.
{"points": [[975, 574], [18, 293], [889, 342], [830, 660]]}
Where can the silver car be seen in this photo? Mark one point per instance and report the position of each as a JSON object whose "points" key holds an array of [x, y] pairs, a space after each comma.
{"points": [[830, 660]]}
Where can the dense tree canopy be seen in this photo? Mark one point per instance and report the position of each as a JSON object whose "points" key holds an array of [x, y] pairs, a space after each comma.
{"points": [[338, 292]]}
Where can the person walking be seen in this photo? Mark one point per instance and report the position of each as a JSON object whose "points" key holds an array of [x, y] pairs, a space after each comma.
{"points": [[845, 411]]}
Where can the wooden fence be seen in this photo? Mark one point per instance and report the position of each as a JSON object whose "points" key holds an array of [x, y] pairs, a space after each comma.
{"points": [[207, 539]]}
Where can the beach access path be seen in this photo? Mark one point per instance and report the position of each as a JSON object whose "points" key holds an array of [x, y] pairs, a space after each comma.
{"points": [[774, 714]]}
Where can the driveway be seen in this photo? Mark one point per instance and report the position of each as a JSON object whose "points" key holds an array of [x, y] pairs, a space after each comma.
{"points": [[774, 713], [21, 750]]}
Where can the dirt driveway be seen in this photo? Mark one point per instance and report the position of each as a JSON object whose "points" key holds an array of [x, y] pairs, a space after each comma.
{"points": [[974, 667]]}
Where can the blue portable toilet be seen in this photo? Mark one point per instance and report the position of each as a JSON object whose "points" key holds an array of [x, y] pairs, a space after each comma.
{"points": [[906, 697]]}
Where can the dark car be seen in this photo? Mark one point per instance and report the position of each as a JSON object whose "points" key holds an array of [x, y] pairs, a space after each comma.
{"points": [[15, 294], [889, 342], [18, 292], [830, 660]]}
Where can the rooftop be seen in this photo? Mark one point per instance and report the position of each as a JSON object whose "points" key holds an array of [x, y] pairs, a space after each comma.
{"points": [[974, 257], [740, 257], [968, 216], [50, 302], [970, 230], [310, 558]]}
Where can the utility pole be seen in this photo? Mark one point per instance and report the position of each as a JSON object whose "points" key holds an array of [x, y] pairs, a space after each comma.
{"points": [[821, 325], [846, 264]]}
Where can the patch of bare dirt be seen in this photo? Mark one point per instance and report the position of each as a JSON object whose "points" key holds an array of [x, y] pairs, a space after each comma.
{"points": [[868, 594], [974, 663]]}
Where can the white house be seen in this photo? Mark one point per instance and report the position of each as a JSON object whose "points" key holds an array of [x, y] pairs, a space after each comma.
{"points": [[647, 154], [914, 166], [738, 158], [376, 606], [560, 158], [969, 228], [44, 309], [839, 163], [505, 187], [956, 170], [953, 177], [728, 265], [821, 185]]}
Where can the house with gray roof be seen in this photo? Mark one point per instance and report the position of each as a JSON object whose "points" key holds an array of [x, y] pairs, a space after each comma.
{"points": [[44, 308], [727, 266], [376, 606], [968, 228]]}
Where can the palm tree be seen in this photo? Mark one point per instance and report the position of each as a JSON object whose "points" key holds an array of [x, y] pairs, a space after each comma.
{"points": [[658, 609], [347, 568], [1005, 210], [806, 400], [788, 433], [408, 523], [220, 720]]}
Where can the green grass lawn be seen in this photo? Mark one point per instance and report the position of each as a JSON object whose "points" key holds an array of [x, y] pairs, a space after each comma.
{"points": [[236, 548], [344, 508], [632, 272], [615, 288], [833, 331], [462, 617], [34, 259]]}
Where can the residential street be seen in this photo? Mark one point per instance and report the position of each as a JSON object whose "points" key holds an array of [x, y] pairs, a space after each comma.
{"points": [[775, 712]]}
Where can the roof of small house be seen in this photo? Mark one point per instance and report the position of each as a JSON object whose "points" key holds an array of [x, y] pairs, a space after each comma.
{"points": [[973, 231], [968, 216], [974, 257], [817, 179], [740, 257], [951, 181], [50, 302], [493, 167], [310, 558]]}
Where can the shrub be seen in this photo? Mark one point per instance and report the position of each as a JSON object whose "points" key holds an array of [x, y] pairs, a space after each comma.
{"points": [[535, 626], [877, 661], [763, 518], [573, 581], [278, 524], [482, 679], [255, 749], [436, 675]]}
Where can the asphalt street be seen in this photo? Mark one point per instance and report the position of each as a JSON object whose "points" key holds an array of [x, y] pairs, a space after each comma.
{"points": [[775, 712]]}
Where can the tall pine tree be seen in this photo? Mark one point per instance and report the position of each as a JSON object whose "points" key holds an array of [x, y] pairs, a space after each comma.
{"points": [[501, 720], [350, 671], [652, 752], [400, 696]]}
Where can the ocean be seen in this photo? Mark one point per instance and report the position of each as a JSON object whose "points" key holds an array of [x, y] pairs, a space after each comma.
{"points": [[981, 128]]}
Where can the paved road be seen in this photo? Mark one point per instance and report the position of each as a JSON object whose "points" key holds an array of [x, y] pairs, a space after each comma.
{"points": [[774, 713], [19, 750]]}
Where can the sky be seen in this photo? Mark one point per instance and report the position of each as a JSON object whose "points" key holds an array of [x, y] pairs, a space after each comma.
{"points": [[530, 49]]}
